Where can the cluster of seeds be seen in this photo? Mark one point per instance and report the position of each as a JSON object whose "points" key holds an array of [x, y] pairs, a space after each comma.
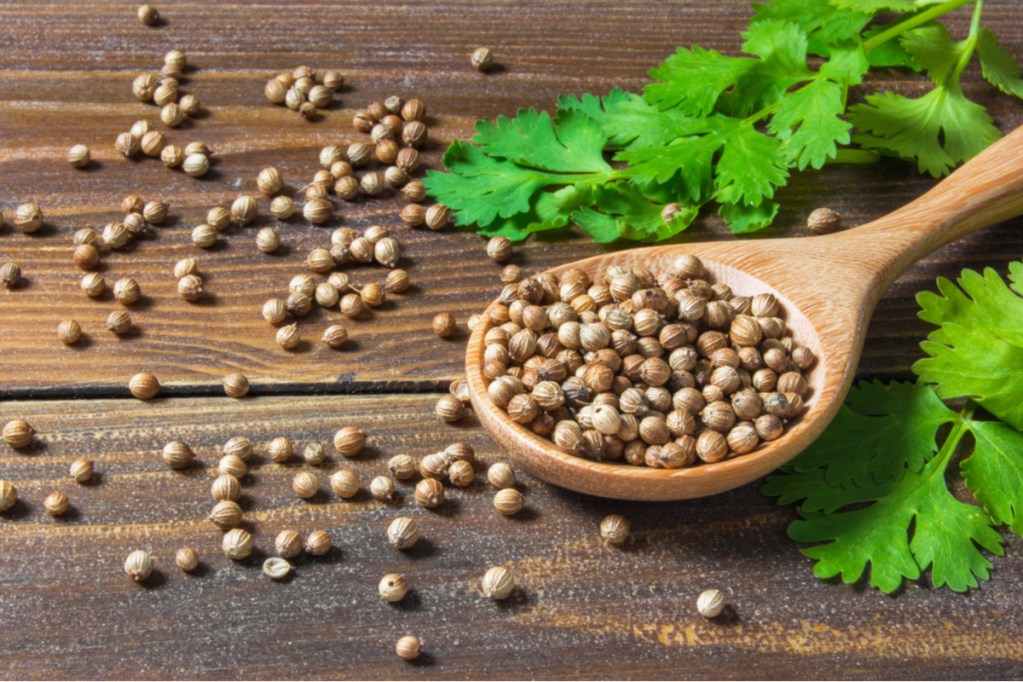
{"points": [[305, 90], [29, 219], [163, 90], [19, 435], [664, 373]]}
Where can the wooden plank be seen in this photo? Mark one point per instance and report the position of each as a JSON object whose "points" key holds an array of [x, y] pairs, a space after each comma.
{"points": [[583, 609], [70, 83]]}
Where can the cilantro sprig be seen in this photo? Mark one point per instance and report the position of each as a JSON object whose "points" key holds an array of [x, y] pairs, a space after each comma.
{"points": [[730, 130], [873, 490]]}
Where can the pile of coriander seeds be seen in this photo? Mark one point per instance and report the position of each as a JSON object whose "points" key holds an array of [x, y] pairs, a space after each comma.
{"points": [[666, 372]]}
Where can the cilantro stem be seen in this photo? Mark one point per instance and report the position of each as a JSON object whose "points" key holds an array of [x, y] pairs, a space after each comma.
{"points": [[967, 54], [912, 22], [855, 156]]}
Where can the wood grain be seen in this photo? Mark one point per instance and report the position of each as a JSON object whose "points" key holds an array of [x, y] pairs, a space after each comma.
{"points": [[71, 82], [582, 610]]}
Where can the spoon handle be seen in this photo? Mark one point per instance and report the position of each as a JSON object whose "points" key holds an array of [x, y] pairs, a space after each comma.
{"points": [[986, 190]]}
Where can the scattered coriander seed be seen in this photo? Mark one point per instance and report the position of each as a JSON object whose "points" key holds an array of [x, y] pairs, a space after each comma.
{"points": [[414, 110], [395, 177], [288, 337], [190, 105], [172, 156], [275, 91], [386, 152], [219, 218], [482, 59], [382, 132], [444, 325], [511, 274], [177, 454], [318, 211], [84, 236], [240, 447], [710, 603], [148, 15], [155, 212], [236, 385], [349, 441], [152, 143], [244, 210], [197, 148], [823, 220], [344, 483], [134, 224], [8, 495], [373, 295], [280, 449], [435, 466], [226, 514], [414, 134], [187, 559], [274, 311], [315, 191], [332, 79], [396, 281], [382, 488], [237, 544], [319, 260], [140, 128], [69, 331], [508, 501], [81, 470], [361, 250], [282, 207], [499, 249], [10, 273], [414, 191], [144, 386], [408, 648], [116, 235], [314, 454], [317, 543], [28, 218], [347, 187], [326, 295], [127, 291], [438, 217], [403, 532], [320, 96], [402, 467], [171, 115], [269, 181], [276, 568], [309, 111], [119, 322], [298, 304], [176, 58], [226, 488], [413, 215], [305, 485], [372, 183], [392, 587], [139, 565], [498, 583], [331, 154], [195, 165], [79, 156], [165, 95], [340, 169], [501, 476], [288, 544], [93, 285], [233, 465], [449, 409], [302, 284], [615, 529], [335, 335], [56, 504], [143, 87], [430, 493], [190, 287], [127, 145], [461, 473]]}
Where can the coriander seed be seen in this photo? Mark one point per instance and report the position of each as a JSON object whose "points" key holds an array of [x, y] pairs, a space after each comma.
{"points": [[56, 504], [28, 218], [269, 181], [499, 249], [282, 207], [317, 543], [226, 488], [413, 110], [275, 91], [461, 473], [119, 322], [187, 559], [274, 311], [93, 285], [177, 454], [430, 493], [710, 603], [166, 97], [226, 514], [197, 148], [276, 568], [414, 191], [152, 143], [498, 583], [335, 335], [615, 529], [127, 145], [139, 129], [240, 447], [408, 648], [326, 295], [195, 165], [139, 565], [345, 483], [444, 325], [171, 114], [823, 220], [143, 87], [349, 441], [372, 183], [116, 235], [414, 134], [144, 386], [386, 152], [482, 59], [81, 470], [69, 331], [302, 284], [79, 156], [127, 291], [236, 385], [298, 304], [190, 105], [244, 210], [392, 587], [347, 187], [413, 215], [148, 15], [280, 449], [219, 218], [288, 337], [508, 501], [233, 465], [172, 156], [190, 287], [319, 260], [396, 281], [288, 544], [449, 409], [10, 273], [395, 177], [8, 495], [382, 488], [305, 485], [402, 467], [408, 161], [237, 544], [318, 211], [155, 212], [403, 532]]}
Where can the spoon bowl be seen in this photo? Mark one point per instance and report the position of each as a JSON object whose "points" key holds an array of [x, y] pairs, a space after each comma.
{"points": [[827, 288]]}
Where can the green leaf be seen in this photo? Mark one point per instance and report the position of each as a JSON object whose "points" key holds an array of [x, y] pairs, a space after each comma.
{"points": [[809, 122], [745, 219], [995, 472], [933, 49], [847, 64], [689, 159], [938, 130], [998, 65], [692, 80], [875, 6], [635, 123], [824, 25], [781, 46], [531, 140], [593, 106], [750, 167], [890, 53], [623, 208], [979, 335]]}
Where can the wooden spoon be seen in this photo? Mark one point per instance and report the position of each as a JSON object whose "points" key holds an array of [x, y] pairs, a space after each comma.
{"points": [[828, 287]]}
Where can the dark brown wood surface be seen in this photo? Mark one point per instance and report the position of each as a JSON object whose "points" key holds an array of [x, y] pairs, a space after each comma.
{"points": [[583, 610]]}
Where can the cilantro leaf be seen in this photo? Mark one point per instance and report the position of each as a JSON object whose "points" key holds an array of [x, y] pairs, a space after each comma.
{"points": [[824, 25], [597, 108], [809, 122], [782, 47], [979, 335], [875, 6], [531, 140], [692, 80], [995, 472], [750, 167], [933, 49], [998, 65], [742, 219]]}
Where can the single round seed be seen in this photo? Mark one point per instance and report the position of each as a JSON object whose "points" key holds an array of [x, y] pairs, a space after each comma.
{"points": [[171, 114], [349, 441], [148, 16], [56, 504], [318, 211], [615, 529], [449, 409], [236, 385], [127, 145], [382, 488], [81, 470], [226, 514], [444, 325], [119, 322], [144, 386], [823, 220], [288, 337], [196, 165], [267, 239], [305, 485], [226, 487], [499, 249], [392, 587], [190, 105], [28, 218], [461, 473], [482, 59], [233, 465], [127, 291], [187, 559], [8, 495], [155, 212], [501, 476], [237, 544], [403, 532], [274, 311], [498, 583], [317, 543], [430, 493], [172, 156], [396, 281], [508, 501], [152, 143], [408, 648], [413, 215], [190, 287], [314, 454], [240, 447], [139, 565], [710, 603], [79, 156], [177, 454], [276, 568], [185, 266], [402, 467], [288, 544], [344, 483], [69, 331], [282, 208], [18, 433], [280, 449], [269, 181], [10, 274]]}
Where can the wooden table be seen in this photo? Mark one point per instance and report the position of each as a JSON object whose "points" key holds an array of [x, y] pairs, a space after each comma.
{"points": [[583, 610]]}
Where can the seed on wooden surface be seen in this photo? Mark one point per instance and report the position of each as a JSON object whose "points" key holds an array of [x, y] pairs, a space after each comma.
{"points": [[144, 385], [430, 493], [318, 211], [269, 181], [413, 215], [233, 465], [408, 648], [237, 544], [345, 483], [403, 532], [288, 337], [274, 311], [314, 454], [276, 568], [28, 218], [335, 335], [392, 587], [498, 583], [444, 325], [187, 559], [225, 487], [119, 322], [190, 105], [414, 191], [615, 529], [710, 603], [482, 59], [127, 145], [382, 488], [177, 454], [139, 565], [282, 207], [413, 110], [8, 495], [499, 249], [148, 15], [196, 165], [155, 212], [10, 273], [69, 331], [288, 544], [461, 473], [317, 543], [267, 239], [305, 485], [86, 256], [823, 220], [240, 447], [396, 281], [226, 514], [236, 385], [319, 260], [153, 143], [402, 467], [171, 114], [79, 156], [414, 134], [81, 470], [172, 156], [56, 504], [508, 501], [143, 87], [349, 441]]}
